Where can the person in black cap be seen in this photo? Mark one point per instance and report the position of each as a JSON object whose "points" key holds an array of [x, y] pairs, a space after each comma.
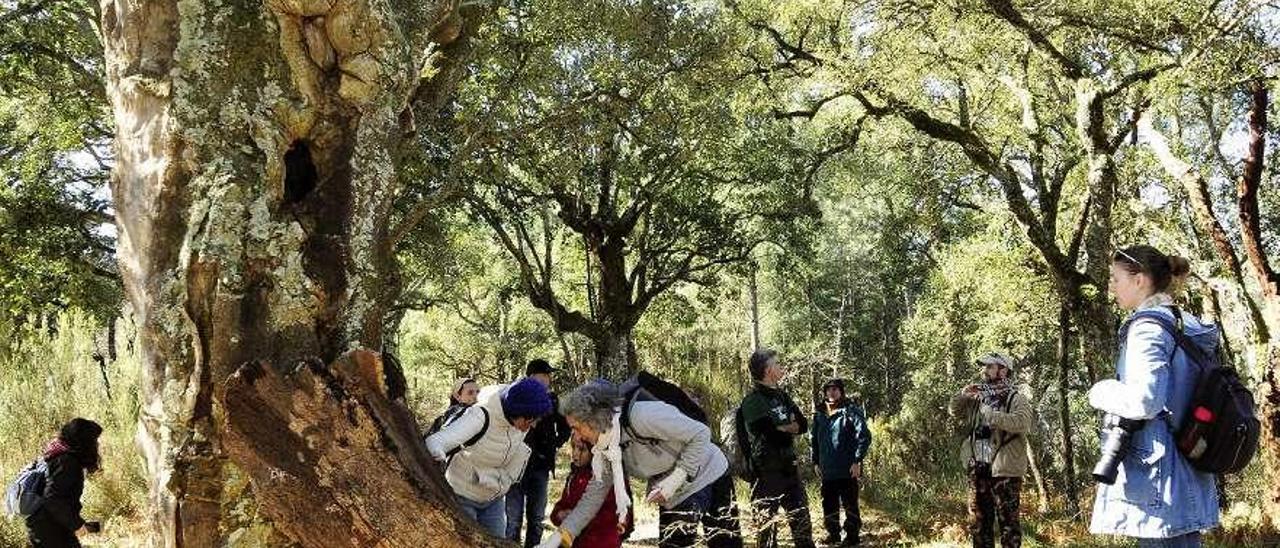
{"points": [[528, 498], [57, 522], [841, 439]]}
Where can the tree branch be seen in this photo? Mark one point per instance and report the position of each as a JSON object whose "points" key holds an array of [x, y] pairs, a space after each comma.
{"points": [[1005, 10], [1247, 191]]}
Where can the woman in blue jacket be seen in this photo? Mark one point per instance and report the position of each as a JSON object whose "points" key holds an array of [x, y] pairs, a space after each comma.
{"points": [[1157, 497]]}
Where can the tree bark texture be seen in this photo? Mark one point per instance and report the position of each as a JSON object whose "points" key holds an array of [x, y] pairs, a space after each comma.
{"points": [[1251, 235], [253, 187], [334, 461]]}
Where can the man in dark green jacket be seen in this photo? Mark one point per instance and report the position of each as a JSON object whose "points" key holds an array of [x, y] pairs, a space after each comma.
{"points": [[841, 439], [772, 422]]}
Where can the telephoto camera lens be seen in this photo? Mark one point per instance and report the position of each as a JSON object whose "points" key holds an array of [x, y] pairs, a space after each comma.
{"points": [[1116, 435]]}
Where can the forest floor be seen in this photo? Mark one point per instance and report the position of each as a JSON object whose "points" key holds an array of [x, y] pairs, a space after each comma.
{"points": [[941, 522], [944, 526], [925, 516]]}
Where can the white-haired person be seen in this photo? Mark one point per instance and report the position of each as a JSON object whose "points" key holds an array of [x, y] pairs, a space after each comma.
{"points": [[687, 474]]}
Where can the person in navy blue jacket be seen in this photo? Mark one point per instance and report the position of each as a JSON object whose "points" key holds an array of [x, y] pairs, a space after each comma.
{"points": [[841, 439]]}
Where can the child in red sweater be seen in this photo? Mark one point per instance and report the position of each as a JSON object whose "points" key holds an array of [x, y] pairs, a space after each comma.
{"points": [[603, 530]]}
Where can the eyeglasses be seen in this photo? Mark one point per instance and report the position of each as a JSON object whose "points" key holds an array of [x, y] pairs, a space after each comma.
{"points": [[1131, 259]]}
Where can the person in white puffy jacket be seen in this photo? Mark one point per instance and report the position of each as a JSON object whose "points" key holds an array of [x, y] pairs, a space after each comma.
{"points": [[484, 448]]}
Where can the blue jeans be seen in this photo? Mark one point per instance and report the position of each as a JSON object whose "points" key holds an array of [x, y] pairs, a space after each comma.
{"points": [[527, 499], [1189, 540], [489, 515]]}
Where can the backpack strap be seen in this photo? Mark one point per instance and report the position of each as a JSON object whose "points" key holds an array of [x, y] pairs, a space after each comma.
{"points": [[743, 434], [1181, 342], [631, 397], [473, 439], [1180, 339], [1008, 404]]}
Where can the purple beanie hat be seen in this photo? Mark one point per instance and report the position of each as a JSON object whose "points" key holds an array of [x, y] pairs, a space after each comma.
{"points": [[526, 398]]}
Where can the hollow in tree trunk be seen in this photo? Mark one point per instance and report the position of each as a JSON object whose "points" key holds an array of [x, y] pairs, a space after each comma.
{"points": [[255, 171]]}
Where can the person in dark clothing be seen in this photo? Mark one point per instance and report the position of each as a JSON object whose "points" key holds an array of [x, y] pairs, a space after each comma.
{"points": [[527, 499], [841, 440], [463, 396], [69, 457], [772, 421]]}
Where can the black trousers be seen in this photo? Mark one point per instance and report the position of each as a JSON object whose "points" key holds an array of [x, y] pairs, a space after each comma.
{"points": [[781, 490], [678, 527], [44, 532], [837, 493]]}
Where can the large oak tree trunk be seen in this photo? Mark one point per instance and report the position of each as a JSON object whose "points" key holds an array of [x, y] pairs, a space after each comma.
{"points": [[253, 187], [615, 352]]}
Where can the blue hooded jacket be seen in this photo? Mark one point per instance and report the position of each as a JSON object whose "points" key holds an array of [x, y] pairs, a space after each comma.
{"points": [[840, 439], [1157, 494]]}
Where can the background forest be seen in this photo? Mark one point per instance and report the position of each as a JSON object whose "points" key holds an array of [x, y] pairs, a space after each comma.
{"points": [[882, 190]]}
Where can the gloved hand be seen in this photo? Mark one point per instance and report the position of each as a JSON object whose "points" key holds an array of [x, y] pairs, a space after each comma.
{"points": [[552, 541], [668, 486]]}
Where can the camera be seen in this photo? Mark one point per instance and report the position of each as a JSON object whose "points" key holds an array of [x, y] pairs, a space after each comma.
{"points": [[1114, 440], [982, 432]]}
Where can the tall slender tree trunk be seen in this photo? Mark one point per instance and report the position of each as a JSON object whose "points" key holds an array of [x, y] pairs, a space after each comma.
{"points": [[615, 355], [1251, 235], [755, 309], [253, 185], [1042, 491], [1070, 486], [957, 347], [1197, 190], [1095, 320], [112, 354]]}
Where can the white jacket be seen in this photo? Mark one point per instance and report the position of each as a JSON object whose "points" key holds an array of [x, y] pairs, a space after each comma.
{"points": [[486, 470]]}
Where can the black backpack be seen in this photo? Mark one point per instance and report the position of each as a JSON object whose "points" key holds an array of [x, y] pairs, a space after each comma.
{"points": [[646, 386], [736, 445], [1220, 427]]}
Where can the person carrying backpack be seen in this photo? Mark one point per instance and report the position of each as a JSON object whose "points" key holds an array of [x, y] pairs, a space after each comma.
{"points": [[484, 448], [687, 474], [527, 499], [772, 421], [840, 440], [463, 396], [74, 453], [997, 417], [1157, 496]]}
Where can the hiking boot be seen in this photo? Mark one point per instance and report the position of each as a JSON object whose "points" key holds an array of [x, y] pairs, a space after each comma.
{"points": [[831, 540]]}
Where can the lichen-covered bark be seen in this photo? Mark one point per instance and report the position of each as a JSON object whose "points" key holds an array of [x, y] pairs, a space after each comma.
{"points": [[253, 187]]}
